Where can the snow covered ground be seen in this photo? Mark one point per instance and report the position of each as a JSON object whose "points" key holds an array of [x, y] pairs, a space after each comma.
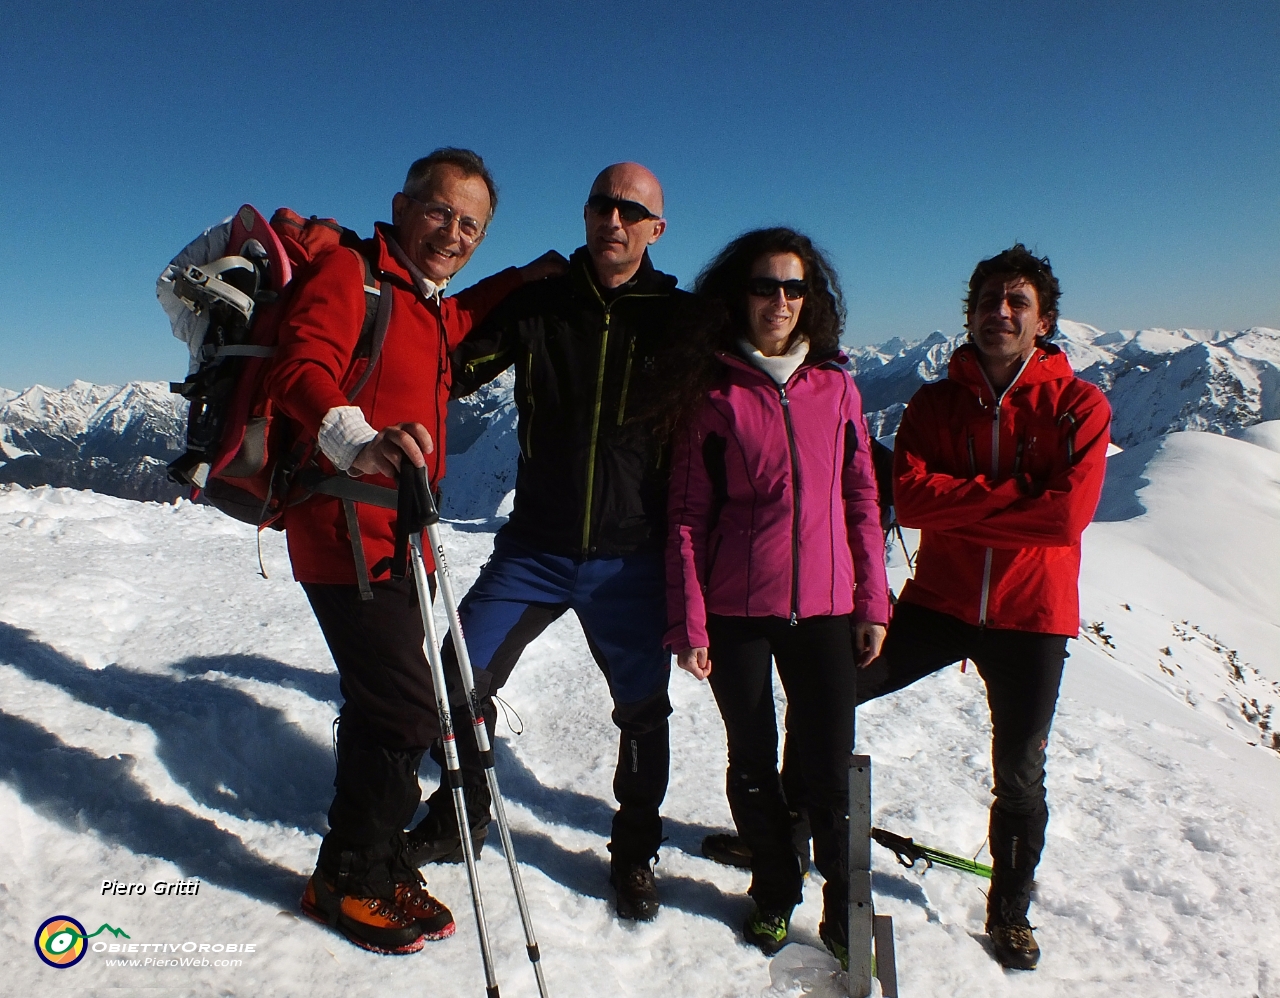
{"points": [[165, 715]]}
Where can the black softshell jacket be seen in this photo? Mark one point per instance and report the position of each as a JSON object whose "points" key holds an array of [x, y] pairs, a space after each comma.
{"points": [[592, 480]]}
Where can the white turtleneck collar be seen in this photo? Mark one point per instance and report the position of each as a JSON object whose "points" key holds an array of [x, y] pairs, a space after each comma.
{"points": [[781, 367]]}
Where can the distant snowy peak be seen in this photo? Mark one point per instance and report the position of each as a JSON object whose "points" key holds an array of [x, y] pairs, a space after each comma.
{"points": [[80, 406], [106, 437], [1158, 380]]}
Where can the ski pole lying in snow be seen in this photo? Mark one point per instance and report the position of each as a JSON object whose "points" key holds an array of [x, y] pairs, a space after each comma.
{"points": [[909, 852], [416, 513]]}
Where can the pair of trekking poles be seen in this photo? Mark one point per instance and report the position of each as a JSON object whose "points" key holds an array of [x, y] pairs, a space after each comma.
{"points": [[416, 513]]}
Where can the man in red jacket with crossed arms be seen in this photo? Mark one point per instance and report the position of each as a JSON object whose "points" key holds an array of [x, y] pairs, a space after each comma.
{"points": [[1000, 466], [363, 886]]}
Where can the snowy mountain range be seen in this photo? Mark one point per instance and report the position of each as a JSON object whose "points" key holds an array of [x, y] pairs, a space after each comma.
{"points": [[102, 437], [118, 440]]}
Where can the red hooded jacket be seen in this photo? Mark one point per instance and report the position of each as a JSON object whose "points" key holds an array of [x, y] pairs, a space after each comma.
{"points": [[313, 369], [1001, 489]]}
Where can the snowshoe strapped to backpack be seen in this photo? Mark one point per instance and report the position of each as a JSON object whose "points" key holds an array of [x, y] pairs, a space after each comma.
{"points": [[225, 294]]}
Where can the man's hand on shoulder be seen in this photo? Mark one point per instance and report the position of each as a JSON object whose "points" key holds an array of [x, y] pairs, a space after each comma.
{"points": [[384, 453], [551, 264]]}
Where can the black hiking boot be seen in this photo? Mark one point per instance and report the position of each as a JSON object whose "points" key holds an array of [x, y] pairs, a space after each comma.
{"points": [[1015, 946], [435, 838], [835, 937], [767, 930], [637, 892], [727, 849]]}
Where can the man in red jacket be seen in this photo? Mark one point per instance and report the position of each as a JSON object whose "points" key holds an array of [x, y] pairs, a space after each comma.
{"points": [[1000, 466], [363, 886]]}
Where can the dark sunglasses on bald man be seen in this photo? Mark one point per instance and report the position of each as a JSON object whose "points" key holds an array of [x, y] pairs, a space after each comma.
{"points": [[767, 287], [629, 211]]}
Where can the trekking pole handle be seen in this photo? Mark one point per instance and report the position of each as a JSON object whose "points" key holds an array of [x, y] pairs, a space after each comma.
{"points": [[906, 850], [415, 511]]}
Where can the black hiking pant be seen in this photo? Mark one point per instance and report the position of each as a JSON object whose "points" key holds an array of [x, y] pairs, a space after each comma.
{"points": [[1022, 671], [387, 720], [815, 662]]}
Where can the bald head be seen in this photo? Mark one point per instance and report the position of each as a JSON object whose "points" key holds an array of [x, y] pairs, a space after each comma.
{"points": [[630, 182], [617, 235]]}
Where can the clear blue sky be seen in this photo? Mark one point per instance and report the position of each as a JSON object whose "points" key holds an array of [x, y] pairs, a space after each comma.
{"points": [[1137, 144]]}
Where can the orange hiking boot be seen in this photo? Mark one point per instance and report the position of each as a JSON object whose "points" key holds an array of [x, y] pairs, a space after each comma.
{"points": [[375, 924], [433, 918]]}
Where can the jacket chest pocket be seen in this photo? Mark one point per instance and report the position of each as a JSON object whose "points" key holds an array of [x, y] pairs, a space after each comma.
{"points": [[628, 368], [1048, 445]]}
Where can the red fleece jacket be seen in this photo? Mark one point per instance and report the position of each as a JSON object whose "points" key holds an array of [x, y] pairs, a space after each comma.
{"points": [[1001, 489], [313, 370]]}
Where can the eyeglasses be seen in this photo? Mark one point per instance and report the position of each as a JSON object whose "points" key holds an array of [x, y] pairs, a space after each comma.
{"points": [[470, 230], [767, 287], [629, 211]]}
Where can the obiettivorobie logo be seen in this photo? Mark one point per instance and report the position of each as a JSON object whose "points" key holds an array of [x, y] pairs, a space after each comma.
{"points": [[61, 940]]}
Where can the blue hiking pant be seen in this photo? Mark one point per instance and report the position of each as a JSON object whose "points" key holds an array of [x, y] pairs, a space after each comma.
{"points": [[621, 605]]}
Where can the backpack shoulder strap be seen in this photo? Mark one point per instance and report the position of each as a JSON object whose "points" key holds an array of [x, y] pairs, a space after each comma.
{"points": [[377, 317]]}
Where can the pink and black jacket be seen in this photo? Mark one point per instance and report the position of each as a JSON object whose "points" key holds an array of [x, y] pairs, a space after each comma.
{"points": [[772, 508]]}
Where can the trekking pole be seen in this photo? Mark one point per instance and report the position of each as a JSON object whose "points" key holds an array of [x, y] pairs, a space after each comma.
{"points": [[897, 528], [444, 580], [411, 514]]}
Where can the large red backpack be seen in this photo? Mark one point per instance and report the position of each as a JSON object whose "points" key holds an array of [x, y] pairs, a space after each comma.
{"points": [[226, 293]]}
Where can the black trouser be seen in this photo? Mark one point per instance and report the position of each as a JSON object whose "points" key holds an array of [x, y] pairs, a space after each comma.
{"points": [[386, 722], [1022, 670], [816, 665]]}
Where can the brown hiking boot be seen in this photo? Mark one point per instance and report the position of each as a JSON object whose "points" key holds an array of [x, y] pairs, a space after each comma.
{"points": [[637, 892], [375, 924], [433, 918], [1015, 946]]}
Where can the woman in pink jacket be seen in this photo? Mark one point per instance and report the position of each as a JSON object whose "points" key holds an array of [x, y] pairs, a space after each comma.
{"points": [[775, 554]]}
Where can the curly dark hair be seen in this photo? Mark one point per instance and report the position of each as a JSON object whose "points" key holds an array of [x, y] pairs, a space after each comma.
{"points": [[1018, 261], [718, 318]]}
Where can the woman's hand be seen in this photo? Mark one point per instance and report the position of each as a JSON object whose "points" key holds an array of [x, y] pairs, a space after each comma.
{"points": [[696, 663], [867, 640]]}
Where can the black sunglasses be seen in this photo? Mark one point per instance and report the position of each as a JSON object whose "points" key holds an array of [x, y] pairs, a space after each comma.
{"points": [[629, 211], [767, 287]]}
